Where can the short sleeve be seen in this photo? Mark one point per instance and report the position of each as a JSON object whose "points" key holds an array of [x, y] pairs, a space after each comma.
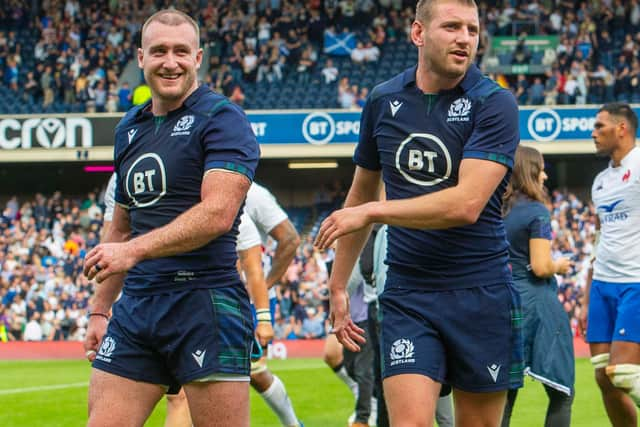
{"points": [[248, 235], [366, 154], [496, 134], [540, 225], [263, 208], [109, 198], [229, 142]]}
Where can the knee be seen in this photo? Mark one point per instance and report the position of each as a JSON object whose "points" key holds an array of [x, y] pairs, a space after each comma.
{"points": [[600, 362], [626, 377]]}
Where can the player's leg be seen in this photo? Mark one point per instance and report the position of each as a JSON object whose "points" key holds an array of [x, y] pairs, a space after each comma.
{"points": [[360, 368], [479, 409], [484, 350], [559, 408], [508, 408], [618, 404], [120, 402], [406, 393], [178, 414], [444, 411], [624, 368], [274, 393], [602, 328], [413, 356], [219, 403], [129, 377], [209, 351], [333, 357]]}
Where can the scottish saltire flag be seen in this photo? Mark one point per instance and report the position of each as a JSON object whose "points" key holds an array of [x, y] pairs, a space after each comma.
{"points": [[339, 44]]}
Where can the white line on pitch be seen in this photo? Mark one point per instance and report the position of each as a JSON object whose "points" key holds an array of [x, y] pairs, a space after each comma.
{"points": [[42, 388]]}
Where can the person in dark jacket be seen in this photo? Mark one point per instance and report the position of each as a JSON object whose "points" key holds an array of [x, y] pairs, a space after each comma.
{"points": [[548, 343]]}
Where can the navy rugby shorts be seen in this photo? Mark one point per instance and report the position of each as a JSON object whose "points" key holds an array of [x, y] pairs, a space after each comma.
{"points": [[177, 337], [470, 339]]}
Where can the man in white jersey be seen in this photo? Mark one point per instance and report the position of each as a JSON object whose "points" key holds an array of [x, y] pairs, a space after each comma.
{"points": [[612, 298], [262, 218], [109, 204]]}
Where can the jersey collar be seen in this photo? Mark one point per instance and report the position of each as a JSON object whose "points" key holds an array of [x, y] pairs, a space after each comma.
{"points": [[626, 160], [472, 77]]}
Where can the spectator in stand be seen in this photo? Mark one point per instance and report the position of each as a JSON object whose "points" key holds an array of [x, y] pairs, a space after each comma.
{"points": [[362, 97], [536, 92], [305, 66], [521, 93], [371, 52], [124, 97], [346, 98], [250, 66], [47, 86], [358, 54], [329, 72]]}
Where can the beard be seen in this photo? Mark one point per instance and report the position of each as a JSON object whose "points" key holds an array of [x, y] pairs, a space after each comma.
{"points": [[171, 93], [444, 69]]}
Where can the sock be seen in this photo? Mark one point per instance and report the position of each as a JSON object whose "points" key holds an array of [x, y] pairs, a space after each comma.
{"points": [[278, 400], [341, 372]]}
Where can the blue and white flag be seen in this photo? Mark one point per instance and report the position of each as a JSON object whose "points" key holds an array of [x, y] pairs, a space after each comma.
{"points": [[339, 44]]}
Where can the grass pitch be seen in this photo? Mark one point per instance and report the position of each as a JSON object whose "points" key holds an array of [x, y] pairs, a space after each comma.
{"points": [[54, 393]]}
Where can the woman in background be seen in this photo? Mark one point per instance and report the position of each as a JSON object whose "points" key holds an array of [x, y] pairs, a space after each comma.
{"points": [[548, 343]]}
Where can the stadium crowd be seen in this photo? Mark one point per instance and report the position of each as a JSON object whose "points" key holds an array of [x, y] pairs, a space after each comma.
{"points": [[44, 296], [72, 56]]}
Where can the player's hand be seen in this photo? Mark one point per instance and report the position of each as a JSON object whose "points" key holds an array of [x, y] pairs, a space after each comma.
{"points": [[339, 223], [107, 259], [563, 265], [347, 332], [96, 328], [582, 320], [264, 333]]}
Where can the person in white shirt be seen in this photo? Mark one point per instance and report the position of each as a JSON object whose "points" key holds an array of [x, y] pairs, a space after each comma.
{"points": [[33, 330], [329, 72], [611, 305]]}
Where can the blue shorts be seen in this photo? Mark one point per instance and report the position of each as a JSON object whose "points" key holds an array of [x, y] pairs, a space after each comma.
{"points": [[469, 338], [614, 312], [178, 337]]}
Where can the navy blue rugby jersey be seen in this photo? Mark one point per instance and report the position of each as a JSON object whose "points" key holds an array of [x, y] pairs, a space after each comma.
{"points": [[418, 141], [160, 164]]}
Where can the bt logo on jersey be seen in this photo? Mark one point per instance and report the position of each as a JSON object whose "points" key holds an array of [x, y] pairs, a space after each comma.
{"points": [[423, 159], [146, 180]]}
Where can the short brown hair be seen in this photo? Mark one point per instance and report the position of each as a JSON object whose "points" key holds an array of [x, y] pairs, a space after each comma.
{"points": [[525, 177], [424, 8], [172, 17]]}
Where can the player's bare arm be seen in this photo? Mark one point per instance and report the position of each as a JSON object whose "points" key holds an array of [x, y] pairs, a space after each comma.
{"points": [[251, 265], [288, 241], [456, 206], [222, 195], [584, 309], [542, 264], [365, 188], [107, 291]]}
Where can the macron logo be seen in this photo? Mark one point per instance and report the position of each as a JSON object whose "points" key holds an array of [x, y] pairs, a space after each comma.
{"points": [[131, 133], [494, 370], [395, 106], [199, 356]]}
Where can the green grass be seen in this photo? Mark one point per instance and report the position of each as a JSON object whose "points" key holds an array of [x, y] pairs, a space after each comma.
{"points": [[320, 399]]}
